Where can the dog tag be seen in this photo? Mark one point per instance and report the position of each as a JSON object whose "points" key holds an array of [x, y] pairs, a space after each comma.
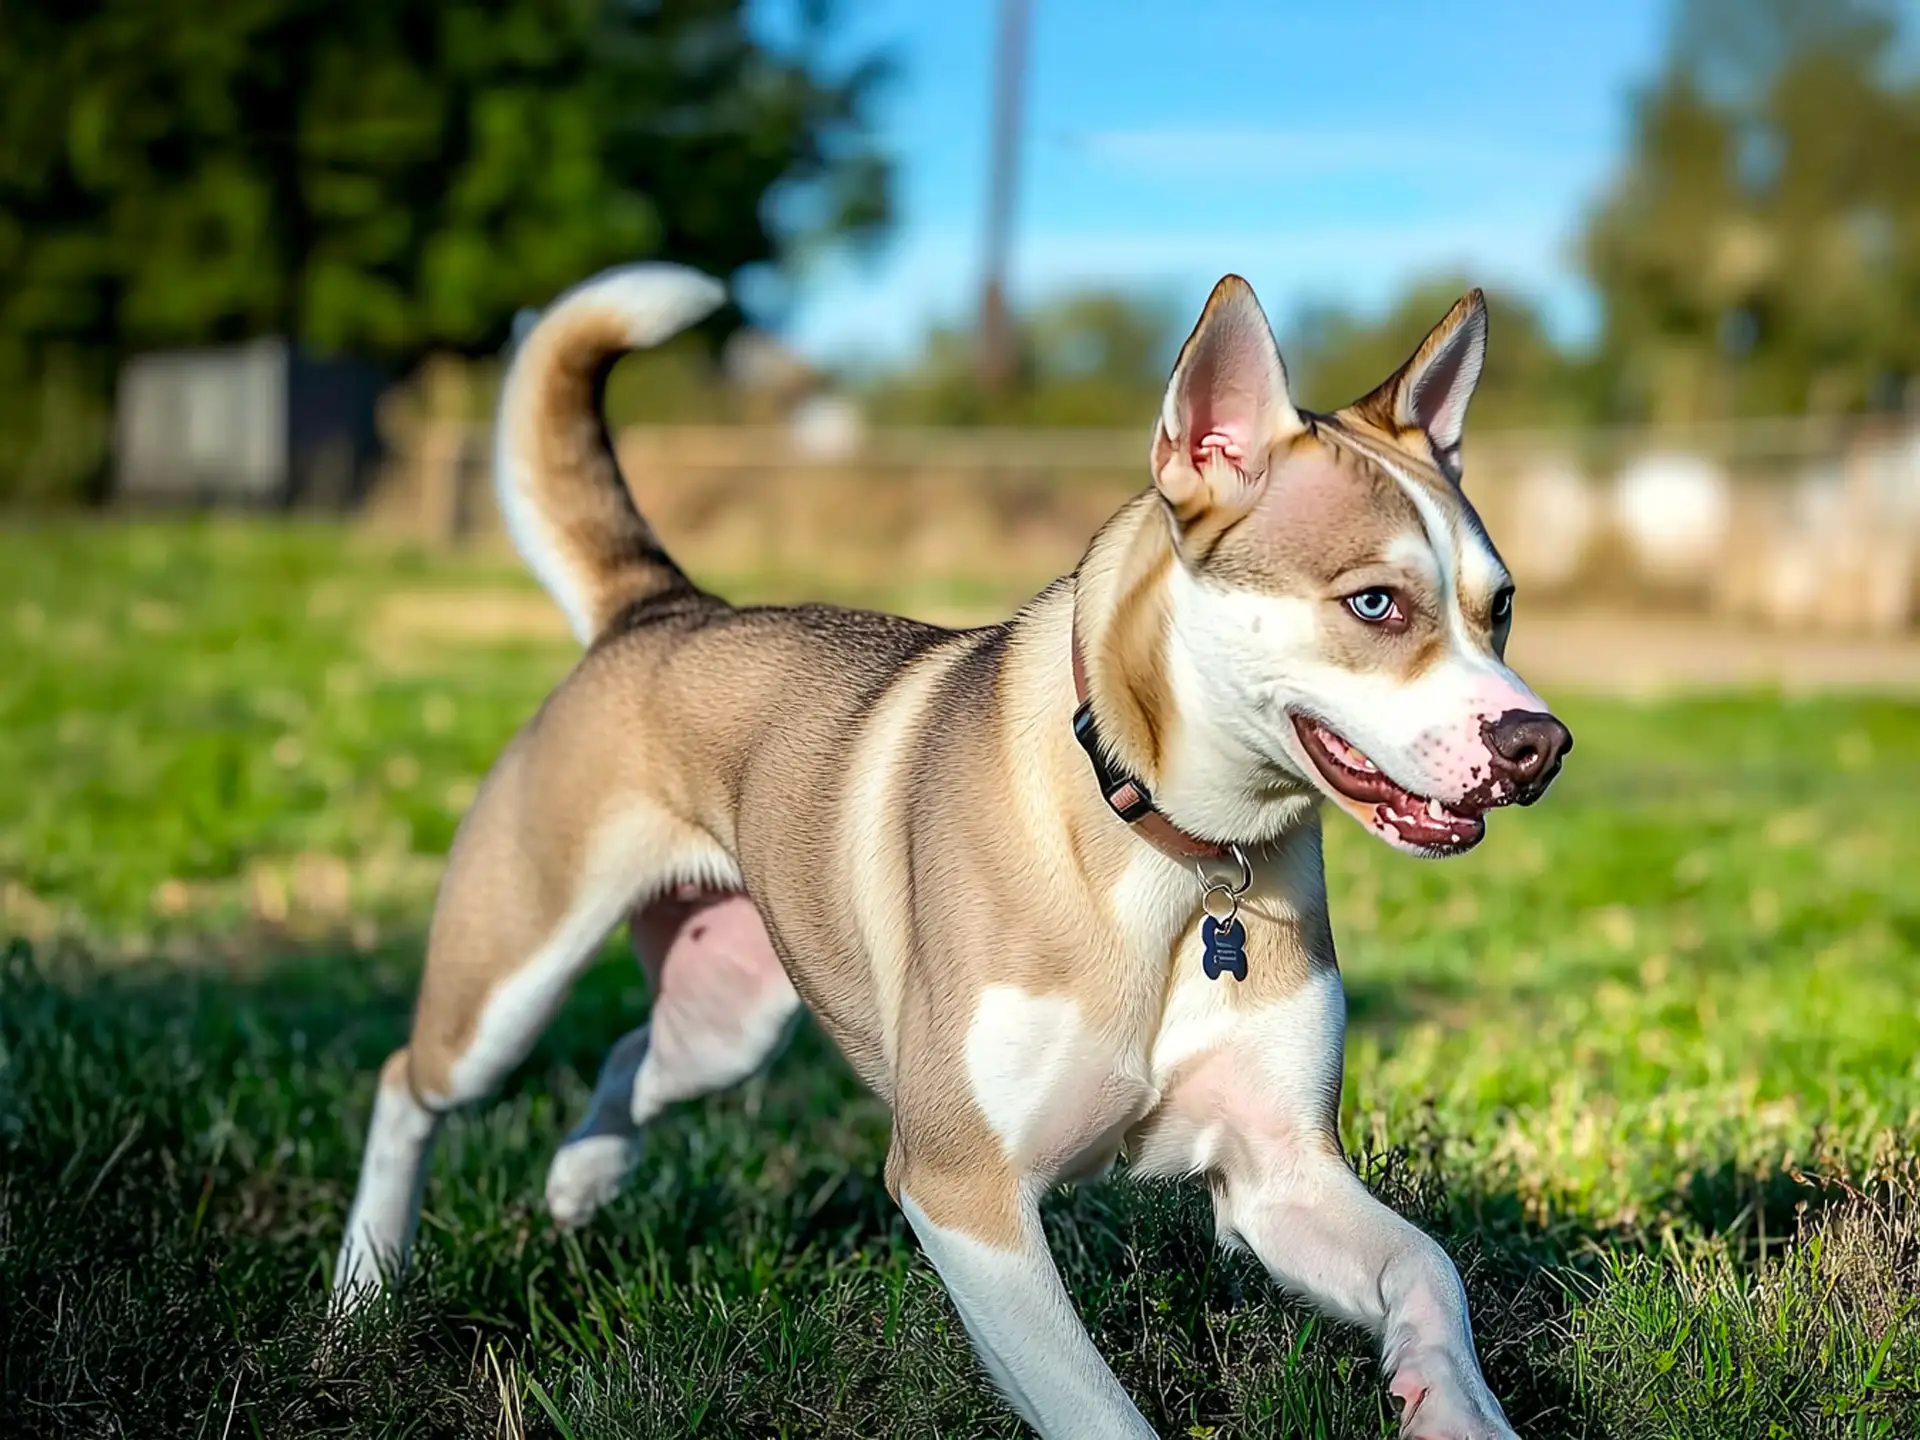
{"points": [[1226, 948]]}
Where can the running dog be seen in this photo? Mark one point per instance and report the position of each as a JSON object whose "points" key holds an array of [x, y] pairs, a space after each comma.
{"points": [[1053, 886]]}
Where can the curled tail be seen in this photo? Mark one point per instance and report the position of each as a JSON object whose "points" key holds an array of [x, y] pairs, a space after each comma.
{"points": [[561, 491]]}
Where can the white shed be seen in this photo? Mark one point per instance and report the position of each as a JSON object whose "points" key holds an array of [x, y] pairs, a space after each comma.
{"points": [[258, 424]]}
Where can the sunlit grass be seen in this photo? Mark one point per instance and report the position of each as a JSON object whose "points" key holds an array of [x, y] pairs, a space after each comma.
{"points": [[1615, 1044]]}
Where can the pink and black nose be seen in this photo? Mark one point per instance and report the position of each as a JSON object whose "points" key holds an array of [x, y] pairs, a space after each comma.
{"points": [[1528, 746]]}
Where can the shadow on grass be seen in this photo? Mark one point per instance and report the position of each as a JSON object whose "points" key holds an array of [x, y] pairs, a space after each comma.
{"points": [[178, 1147]]}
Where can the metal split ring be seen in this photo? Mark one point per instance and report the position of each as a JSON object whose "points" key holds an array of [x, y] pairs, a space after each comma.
{"points": [[1221, 893], [1246, 875], [1230, 904]]}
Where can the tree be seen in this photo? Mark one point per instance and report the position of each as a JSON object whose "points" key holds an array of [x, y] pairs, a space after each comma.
{"points": [[1100, 357], [1760, 250], [386, 177]]}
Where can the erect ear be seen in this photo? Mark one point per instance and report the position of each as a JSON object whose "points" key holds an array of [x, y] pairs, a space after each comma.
{"points": [[1432, 389], [1226, 407]]}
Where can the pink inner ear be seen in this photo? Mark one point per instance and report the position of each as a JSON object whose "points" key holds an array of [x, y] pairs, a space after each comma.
{"points": [[1221, 413], [1229, 390], [1226, 405], [1217, 440]]}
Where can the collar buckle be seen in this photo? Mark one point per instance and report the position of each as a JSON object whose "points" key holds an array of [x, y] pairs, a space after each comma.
{"points": [[1128, 796]]}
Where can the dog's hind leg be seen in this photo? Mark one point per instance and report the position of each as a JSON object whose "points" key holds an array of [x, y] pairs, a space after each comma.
{"points": [[392, 1173], [722, 1006], [524, 908], [473, 1026]]}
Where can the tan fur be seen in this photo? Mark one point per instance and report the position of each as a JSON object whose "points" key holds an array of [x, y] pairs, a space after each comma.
{"points": [[909, 811], [1392, 406], [1127, 658]]}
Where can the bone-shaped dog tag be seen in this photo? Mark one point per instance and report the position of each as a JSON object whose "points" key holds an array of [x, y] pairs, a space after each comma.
{"points": [[1225, 948]]}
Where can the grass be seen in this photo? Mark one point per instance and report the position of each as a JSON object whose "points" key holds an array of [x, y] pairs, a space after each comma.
{"points": [[1646, 1064]]}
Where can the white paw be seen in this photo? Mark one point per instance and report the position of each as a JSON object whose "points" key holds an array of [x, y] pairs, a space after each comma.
{"points": [[585, 1175], [1445, 1399]]}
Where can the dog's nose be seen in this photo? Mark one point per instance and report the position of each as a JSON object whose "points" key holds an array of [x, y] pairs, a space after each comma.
{"points": [[1528, 746]]}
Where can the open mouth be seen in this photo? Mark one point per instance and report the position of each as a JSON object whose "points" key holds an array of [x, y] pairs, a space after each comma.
{"points": [[1417, 820]]}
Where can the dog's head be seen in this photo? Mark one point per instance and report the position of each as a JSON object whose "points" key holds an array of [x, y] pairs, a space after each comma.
{"points": [[1337, 609]]}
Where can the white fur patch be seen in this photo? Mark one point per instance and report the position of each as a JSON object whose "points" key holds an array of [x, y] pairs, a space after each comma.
{"points": [[1216, 779], [623, 861], [873, 821], [595, 1159], [1289, 1052], [1152, 902], [586, 1174], [1472, 566], [1413, 551], [1026, 1055], [521, 1005]]}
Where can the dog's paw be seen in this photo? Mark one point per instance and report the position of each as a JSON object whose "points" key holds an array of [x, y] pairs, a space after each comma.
{"points": [[585, 1175], [1444, 1398]]}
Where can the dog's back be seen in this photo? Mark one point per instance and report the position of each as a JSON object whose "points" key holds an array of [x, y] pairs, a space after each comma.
{"points": [[730, 748]]}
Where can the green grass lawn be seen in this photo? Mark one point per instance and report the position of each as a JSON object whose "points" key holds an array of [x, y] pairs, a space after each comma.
{"points": [[1646, 1064]]}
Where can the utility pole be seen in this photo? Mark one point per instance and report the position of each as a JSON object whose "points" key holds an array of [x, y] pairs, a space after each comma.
{"points": [[997, 343]]}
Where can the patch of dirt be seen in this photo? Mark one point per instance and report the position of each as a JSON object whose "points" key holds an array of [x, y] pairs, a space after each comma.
{"points": [[410, 628], [483, 617], [1625, 653]]}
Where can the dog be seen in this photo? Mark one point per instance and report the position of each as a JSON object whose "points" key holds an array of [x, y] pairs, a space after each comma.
{"points": [[1053, 886]]}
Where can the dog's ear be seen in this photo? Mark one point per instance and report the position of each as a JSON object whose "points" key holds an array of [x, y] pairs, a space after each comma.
{"points": [[1226, 407], [1431, 391]]}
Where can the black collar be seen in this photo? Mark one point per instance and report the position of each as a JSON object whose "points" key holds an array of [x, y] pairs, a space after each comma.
{"points": [[1127, 795]]}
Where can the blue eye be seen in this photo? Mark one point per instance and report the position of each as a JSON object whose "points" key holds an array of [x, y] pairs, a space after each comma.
{"points": [[1376, 607]]}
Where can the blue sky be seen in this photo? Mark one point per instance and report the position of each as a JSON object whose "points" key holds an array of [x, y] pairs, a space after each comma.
{"points": [[1325, 151]]}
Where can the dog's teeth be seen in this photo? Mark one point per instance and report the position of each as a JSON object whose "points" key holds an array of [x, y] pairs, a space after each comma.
{"points": [[1366, 764], [1436, 810]]}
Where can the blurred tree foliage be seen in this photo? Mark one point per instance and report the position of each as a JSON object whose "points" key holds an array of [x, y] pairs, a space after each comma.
{"points": [[1760, 251], [1102, 358], [381, 177]]}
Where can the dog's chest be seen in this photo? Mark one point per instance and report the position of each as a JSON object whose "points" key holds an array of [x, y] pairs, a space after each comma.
{"points": [[1065, 1078], [1229, 1068], [1223, 1068]]}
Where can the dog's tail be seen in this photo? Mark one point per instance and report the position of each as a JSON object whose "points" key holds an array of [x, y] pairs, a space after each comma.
{"points": [[561, 492]]}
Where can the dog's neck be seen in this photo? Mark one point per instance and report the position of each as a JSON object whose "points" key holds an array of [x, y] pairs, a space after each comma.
{"points": [[1128, 795], [1150, 701]]}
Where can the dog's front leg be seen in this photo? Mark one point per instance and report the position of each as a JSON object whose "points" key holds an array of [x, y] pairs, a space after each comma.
{"points": [[1321, 1234], [987, 1243]]}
